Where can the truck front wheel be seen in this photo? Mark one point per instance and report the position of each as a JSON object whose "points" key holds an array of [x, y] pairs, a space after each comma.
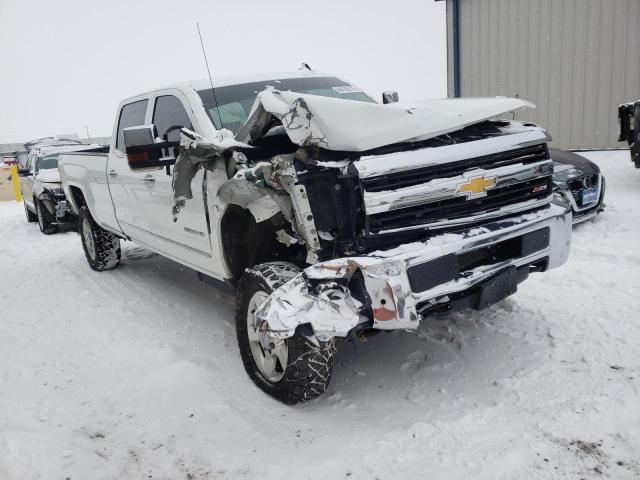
{"points": [[101, 247], [292, 370]]}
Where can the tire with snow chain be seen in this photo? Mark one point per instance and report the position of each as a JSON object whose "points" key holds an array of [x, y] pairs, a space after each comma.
{"points": [[101, 247], [31, 217], [45, 219], [292, 370]]}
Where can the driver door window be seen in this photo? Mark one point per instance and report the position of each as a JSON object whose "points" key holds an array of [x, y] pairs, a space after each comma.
{"points": [[169, 112], [132, 114]]}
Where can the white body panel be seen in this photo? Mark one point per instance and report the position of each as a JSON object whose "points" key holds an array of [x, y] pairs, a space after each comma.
{"points": [[137, 205]]}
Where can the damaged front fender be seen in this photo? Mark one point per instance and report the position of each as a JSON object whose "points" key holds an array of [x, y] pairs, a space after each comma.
{"points": [[324, 296], [344, 296]]}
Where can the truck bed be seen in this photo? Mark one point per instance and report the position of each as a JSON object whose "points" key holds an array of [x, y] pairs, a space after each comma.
{"points": [[84, 178]]}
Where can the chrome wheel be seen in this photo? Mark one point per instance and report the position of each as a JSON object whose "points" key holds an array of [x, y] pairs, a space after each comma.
{"points": [[269, 354], [88, 239]]}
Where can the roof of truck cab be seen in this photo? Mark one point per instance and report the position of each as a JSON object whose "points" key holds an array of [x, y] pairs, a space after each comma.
{"points": [[55, 149], [205, 83], [240, 79]]}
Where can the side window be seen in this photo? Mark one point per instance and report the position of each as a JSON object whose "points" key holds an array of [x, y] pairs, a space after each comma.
{"points": [[131, 115], [169, 112]]}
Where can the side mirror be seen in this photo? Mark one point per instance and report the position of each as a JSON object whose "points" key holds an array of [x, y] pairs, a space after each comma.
{"points": [[144, 151], [390, 97], [24, 172]]}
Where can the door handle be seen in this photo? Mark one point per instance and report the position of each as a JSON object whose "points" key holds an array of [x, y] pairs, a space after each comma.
{"points": [[148, 178], [112, 173]]}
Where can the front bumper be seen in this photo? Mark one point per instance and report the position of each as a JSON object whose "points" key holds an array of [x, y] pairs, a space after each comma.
{"points": [[393, 289]]}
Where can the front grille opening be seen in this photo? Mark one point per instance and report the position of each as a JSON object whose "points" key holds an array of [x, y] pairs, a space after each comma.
{"points": [[457, 207], [524, 155]]}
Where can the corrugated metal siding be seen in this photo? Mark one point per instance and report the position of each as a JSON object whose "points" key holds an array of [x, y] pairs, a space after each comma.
{"points": [[575, 59]]}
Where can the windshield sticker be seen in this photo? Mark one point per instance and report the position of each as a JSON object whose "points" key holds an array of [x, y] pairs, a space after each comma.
{"points": [[347, 89]]}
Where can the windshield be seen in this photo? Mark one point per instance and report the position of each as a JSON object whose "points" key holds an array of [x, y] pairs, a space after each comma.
{"points": [[46, 163], [235, 101]]}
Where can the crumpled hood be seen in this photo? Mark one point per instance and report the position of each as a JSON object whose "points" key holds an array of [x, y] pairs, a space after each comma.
{"points": [[349, 125], [50, 175]]}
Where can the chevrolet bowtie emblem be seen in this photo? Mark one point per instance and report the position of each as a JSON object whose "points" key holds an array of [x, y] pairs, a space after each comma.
{"points": [[476, 187]]}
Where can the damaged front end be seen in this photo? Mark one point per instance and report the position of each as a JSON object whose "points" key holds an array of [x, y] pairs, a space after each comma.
{"points": [[54, 200], [402, 211], [394, 289]]}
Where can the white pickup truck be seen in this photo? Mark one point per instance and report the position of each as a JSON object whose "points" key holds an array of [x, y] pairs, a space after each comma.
{"points": [[332, 215]]}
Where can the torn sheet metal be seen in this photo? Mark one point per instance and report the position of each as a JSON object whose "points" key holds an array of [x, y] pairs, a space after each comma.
{"points": [[263, 208], [270, 187], [195, 151], [329, 309], [347, 125], [258, 189]]}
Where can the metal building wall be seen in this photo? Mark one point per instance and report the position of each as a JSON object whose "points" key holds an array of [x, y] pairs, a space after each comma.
{"points": [[575, 59]]}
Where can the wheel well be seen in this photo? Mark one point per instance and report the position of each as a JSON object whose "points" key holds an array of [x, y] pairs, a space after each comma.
{"points": [[247, 243], [77, 197]]}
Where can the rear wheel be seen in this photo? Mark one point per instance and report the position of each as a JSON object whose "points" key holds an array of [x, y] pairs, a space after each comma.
{"points": [[292, 370], [31, 217], [45, 219], [101, 247]]}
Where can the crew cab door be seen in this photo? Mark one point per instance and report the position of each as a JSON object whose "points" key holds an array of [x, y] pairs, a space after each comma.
{"points": [[26, 181], [131, 190], [187, 238]]}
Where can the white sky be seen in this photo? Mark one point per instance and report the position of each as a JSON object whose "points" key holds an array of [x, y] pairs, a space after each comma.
{"points": [[66, 64]]}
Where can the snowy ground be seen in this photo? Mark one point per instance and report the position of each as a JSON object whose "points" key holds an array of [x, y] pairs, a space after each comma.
{"points": [[135, 373]]}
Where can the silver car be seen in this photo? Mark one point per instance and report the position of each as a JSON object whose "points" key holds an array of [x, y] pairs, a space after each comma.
{"points": [[41, 188]]}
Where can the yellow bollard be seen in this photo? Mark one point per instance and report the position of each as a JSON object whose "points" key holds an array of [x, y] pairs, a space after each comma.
{"points": [[16, 184]]}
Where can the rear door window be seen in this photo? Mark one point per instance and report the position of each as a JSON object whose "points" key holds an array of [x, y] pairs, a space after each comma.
{"points": [[169, 112], [131, 115]]}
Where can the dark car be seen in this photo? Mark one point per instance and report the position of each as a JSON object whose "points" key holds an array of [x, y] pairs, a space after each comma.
{"points": [[580, 183]]}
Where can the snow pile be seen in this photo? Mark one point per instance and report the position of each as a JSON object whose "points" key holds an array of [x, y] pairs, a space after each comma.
{"points": [[135, 373]]}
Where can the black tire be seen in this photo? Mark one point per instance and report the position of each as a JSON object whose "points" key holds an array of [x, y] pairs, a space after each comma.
{"points": [[31, 217], [105, 252], [309, 366], [45, 219]]}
